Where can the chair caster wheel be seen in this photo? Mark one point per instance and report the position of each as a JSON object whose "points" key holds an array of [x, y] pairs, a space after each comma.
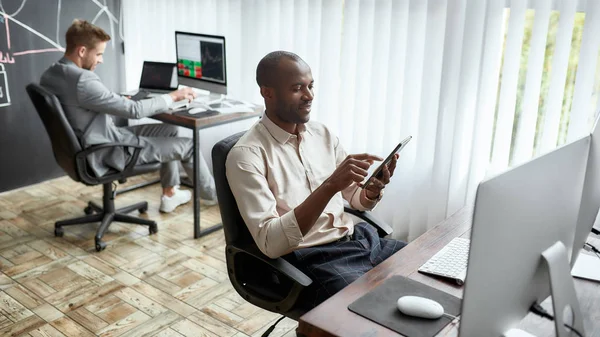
{"points": [[100, 246], [88, 210], [143, 210], [59, 232], [153, 228]]}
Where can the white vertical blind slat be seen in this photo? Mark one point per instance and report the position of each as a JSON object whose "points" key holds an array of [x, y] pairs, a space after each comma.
{"points": [[312, 46], [394, 96], [427, 124], [327, 76], [465, 108], [508, 87], [377, 86], [586, 69], [364, 73], [300, 19], [560, 64], [413, 83], [453, 41], [488, 90], [286, 30], [535, 67], [395, 59], [348, 78]]}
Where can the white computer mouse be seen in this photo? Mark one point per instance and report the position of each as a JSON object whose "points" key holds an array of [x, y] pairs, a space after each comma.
{"points": [[196, 110], [420, 307]]}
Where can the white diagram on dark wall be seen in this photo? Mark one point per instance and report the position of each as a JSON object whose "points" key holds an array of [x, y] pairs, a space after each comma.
{"points": [[8, 56], [4, 93]]}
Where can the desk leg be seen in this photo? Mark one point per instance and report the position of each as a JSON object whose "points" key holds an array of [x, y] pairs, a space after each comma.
{"points": [[196, 188]]}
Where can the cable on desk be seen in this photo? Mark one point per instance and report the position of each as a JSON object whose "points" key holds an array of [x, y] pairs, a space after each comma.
{"points": [[590, 248], [540, 311]]}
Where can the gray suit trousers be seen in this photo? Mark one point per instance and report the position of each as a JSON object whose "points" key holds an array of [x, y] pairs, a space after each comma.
{"points": [[162, 145]]}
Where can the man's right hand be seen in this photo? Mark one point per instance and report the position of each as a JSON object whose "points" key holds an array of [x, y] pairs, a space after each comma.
{"points": [[352, 170], [184, 93]]}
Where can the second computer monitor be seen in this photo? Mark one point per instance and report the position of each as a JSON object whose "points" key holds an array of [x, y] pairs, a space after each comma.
{"points": [[201, 61], [518, 215], [590, 199]]}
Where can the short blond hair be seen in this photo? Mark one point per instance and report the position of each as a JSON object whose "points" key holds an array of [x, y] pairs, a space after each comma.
{"points": [[83, 33]]}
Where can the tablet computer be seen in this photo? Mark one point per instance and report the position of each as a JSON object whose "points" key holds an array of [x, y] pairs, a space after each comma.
{"points": [[378, 173]]}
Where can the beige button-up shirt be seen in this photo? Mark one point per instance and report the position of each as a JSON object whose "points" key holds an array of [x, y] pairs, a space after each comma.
{"points": [[271, 172]]}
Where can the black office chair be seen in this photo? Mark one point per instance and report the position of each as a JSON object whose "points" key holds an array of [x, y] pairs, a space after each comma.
{"points": [[73, 159], [272, 284]]}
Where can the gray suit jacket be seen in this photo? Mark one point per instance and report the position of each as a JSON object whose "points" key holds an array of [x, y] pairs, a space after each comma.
{"points": [[88, 103]]}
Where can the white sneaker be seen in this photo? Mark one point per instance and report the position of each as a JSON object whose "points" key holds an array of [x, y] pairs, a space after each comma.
{"points": [[180, 197]]}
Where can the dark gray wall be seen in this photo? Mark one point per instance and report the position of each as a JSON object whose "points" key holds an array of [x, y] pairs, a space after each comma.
{"points": [[25, 152]]}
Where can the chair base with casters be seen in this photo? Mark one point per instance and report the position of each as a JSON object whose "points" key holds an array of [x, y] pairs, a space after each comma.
{"points": [[106, 214]]}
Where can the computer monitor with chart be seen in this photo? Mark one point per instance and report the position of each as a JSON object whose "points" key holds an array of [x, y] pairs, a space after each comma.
{"points": [[523, 227], [201, 61]]}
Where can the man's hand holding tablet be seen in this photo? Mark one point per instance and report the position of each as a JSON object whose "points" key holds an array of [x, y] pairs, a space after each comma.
{"points": [[354, 170], [381, 176]]}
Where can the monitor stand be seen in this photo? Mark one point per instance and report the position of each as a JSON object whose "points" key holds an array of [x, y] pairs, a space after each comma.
{"points": [[562, 291]]}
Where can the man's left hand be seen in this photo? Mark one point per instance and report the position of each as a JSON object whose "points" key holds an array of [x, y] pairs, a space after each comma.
{"points": [[373, 190]]}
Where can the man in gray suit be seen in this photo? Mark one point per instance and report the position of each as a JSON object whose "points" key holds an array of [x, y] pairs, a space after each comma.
{"points": [[88, 106]]}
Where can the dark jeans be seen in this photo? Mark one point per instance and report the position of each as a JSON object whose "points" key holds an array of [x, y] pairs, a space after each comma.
{"points": [[335, 265]]}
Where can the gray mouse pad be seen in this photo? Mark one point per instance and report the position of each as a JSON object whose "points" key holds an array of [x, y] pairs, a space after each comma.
{"points": [[379, 305]]}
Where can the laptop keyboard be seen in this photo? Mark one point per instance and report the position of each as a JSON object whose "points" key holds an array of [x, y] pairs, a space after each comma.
{"points": [[140, 95], [450, 262]]}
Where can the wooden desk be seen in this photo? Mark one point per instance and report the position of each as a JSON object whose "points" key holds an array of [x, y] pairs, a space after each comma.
{"points": [[332, 317], [197, 124]]}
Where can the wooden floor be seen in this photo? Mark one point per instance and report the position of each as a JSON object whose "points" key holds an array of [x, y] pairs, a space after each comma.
{"points": [[166, 284]]}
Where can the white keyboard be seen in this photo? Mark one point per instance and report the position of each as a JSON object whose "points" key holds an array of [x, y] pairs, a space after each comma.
{"points": [[450, 262]]}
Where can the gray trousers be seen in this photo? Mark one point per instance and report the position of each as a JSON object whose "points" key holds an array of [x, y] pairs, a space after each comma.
{"points": [[162, 145]]}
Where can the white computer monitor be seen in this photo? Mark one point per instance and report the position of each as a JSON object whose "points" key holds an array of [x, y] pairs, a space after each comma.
{"points": [[590, 199], [201, 61], [523, 228]]}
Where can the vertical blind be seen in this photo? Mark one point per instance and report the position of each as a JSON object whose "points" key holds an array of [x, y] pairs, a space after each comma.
{"points": [[481, 85]]}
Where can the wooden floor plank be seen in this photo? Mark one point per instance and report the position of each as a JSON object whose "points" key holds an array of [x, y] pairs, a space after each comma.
{"points": [[23, 326], [124, 325], [12, 309], [47, 312], [165, 299], [87, 319], [167, 284], [157, 323], [68, 327], [46, 330], [24, 296]]}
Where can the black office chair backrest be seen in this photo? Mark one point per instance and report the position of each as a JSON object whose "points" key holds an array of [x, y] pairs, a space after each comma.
{"points": [[234, 227], [64, 142]]}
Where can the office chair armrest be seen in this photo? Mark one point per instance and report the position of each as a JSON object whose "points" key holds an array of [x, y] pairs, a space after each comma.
{"points": [[81, 160], [383, 229], [279, 264]]}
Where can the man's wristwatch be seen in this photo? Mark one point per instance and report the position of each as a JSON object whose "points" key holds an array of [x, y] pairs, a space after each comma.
{"points": [[377, 199]]}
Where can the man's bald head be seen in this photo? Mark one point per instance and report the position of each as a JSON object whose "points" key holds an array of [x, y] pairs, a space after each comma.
{"points": [[266, 71]]}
